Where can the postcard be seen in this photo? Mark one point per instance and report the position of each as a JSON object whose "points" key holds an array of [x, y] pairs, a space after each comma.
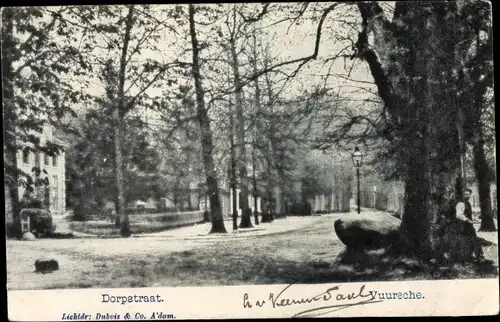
{"points": [[249, 160]]}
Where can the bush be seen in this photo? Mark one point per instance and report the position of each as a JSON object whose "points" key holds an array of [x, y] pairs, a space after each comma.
{"points": [[141, 223], [83, 211], [40, 220], [135, 211], [10, 230], [301, 209]]}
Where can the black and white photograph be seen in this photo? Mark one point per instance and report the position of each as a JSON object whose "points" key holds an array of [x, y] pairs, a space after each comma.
{"points": [[229, 144]]}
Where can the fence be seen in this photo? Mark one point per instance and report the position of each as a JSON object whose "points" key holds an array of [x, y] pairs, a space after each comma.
{"points": [[140, 223], [176, 219], [393, 201], [386, 201], [337, 201]]}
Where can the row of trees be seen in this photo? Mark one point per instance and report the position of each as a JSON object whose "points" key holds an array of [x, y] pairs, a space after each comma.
{"points": [[117, 151], [431, 66]]}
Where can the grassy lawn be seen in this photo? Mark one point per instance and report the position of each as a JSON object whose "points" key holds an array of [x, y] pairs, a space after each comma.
{"points": [[311, 255]]}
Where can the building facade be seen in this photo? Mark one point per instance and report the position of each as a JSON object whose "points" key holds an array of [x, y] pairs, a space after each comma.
{"points": [[55, 167]]}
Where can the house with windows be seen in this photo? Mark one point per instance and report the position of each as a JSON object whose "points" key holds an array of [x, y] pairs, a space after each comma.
{"points": [[54, 165]]}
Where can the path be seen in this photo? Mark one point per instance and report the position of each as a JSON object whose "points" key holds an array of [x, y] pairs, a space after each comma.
{"points": [[81, 258], [295, 247]]}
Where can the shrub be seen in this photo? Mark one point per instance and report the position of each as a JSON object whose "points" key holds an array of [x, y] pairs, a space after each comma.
{"points": [[40, 220], [135, 211], [301, 209], [10, 230]]}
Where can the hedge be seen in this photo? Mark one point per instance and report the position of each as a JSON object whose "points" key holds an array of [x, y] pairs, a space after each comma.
{"points": [[142, 223]]}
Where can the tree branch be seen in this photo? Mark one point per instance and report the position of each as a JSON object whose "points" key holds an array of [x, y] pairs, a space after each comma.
{"points": [[265, 10], [369, 13], [303, 60]]}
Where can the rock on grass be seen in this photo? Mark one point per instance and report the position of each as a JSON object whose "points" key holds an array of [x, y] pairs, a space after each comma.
{"points": [[46, 265], [368, 232], [28, 237]]}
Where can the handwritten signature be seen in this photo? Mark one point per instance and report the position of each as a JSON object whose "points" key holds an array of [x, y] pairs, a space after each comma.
{"points": [[361, 297]]}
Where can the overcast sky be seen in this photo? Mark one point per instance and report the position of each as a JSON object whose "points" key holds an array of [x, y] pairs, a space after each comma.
{"points": [[285, 41]]}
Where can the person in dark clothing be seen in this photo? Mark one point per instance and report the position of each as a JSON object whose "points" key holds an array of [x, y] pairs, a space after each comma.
{"points": [[463, 212], [458, 238]]}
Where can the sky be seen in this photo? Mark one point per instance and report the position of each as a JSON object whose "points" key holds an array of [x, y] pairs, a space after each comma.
{"points": [[285, 41]]}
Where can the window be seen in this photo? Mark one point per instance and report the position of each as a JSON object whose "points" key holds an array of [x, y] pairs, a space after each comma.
{"points": [[26, 156], [46, 159], [54, 194], [37, 159], [54, 161]]}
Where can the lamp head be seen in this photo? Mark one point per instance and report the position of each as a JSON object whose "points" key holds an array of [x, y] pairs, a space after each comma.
{"points": [[357, 157]]}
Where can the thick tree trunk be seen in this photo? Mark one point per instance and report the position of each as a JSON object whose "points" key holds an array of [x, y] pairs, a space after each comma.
{"points": [[119, 129], [414, 113], [10, 119], [206, 133], [416, 220]]}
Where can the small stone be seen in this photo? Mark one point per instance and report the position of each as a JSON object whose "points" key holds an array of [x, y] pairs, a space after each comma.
{"points": [[28, 236], [46, 265]]}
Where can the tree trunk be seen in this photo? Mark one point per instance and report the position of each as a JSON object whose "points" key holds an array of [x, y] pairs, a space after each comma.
{"points": [[206, 133], [177, 188], [268, 209], [415, 113], [281, 182], [246, 211], [232, 174], [190, 204], [258, 107], [482, 175], [481, 166], [119, 130], [254, 182], [271, 157], [10, 119]]}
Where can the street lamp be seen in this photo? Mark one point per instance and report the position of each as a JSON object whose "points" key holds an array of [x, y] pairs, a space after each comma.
{"points": [[357, 158]]}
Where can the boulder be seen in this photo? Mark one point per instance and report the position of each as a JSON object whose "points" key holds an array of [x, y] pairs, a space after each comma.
{"points": [[46, 265], [368, 232], [28, 236]]}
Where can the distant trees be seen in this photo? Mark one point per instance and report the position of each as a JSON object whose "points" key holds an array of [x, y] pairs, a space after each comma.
{"points": [[120, 34], [90, 163]]}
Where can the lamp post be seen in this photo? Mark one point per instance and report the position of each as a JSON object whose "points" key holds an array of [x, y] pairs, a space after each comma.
{"points": [[357, 158]]}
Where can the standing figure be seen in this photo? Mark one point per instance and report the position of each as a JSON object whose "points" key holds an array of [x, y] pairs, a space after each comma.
{"points": [[463, 213]]}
